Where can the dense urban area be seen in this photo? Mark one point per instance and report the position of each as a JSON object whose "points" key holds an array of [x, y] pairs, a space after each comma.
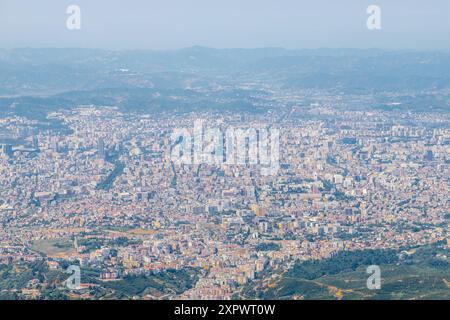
{"points": [[96, 186]]}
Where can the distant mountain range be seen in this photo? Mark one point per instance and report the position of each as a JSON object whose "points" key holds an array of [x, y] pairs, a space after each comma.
{"points": [[71, 76]]}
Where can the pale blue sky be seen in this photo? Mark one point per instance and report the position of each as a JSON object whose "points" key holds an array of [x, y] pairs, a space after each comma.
{"points": [[171, 24]]}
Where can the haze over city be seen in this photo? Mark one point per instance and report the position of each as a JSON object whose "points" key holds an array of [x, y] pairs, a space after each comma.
{"points": [[175, 24], [202, 151]]}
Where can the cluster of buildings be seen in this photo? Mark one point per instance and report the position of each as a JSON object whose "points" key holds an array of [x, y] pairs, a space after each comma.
{"points": [[346, 181]]}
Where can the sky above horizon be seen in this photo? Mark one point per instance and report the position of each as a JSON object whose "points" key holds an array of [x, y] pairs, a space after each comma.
{"points": [[173, 24]]}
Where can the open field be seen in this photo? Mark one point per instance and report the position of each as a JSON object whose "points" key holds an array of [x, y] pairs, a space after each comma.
{"points": [[54, 248]]}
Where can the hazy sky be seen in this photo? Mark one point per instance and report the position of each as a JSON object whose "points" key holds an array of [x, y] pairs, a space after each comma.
{"points": [[170, 24]]}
